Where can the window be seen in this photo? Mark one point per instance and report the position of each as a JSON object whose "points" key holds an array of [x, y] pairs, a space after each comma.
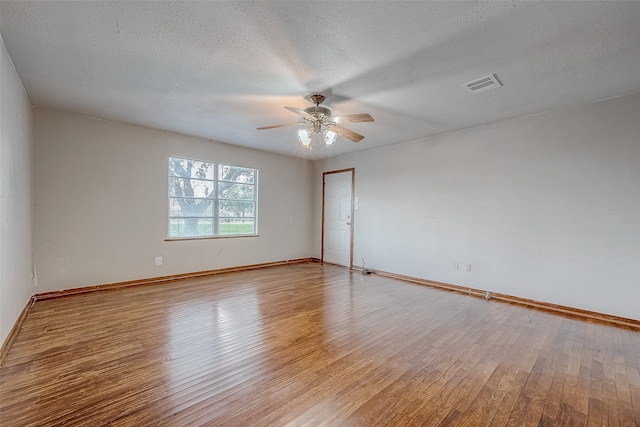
{"points": [[207, 199]]}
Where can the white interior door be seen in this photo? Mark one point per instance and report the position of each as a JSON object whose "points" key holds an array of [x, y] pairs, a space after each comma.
{"points": [[337, 218]]}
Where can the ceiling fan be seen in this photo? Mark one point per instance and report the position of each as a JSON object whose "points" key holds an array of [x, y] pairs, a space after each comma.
{"points": [[320, 121]]}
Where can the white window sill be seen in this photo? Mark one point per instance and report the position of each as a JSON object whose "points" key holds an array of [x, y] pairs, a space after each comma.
{"points": [[233, 236]]}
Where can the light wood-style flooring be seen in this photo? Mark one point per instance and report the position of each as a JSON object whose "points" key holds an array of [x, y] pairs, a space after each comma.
{"points": [[310, 345]]}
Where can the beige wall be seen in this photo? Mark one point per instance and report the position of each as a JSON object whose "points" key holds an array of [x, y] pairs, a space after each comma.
{"points": [[15, 195], [100, 210], [545, 207]]}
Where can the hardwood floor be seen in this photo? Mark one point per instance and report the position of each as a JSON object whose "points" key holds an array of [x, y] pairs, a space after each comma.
{"points": [[312, 345]]}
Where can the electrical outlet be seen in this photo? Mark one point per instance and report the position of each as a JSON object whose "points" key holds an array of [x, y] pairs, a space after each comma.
{"points": [[158, 260], [468, 267], [456, 266]]}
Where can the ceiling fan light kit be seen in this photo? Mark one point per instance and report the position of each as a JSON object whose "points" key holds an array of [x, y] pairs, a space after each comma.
{"points": [[306, 137], [320, 121]]}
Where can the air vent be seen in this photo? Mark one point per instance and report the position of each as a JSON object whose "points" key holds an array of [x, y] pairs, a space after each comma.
{"points": [[483, 84]]}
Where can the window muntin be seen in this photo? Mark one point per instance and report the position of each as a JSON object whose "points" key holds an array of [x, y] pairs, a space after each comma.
{"points": [[207, 199]]}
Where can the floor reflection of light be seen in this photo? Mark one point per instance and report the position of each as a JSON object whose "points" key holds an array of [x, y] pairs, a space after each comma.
{"points": [[340, 311], [209, 340]]}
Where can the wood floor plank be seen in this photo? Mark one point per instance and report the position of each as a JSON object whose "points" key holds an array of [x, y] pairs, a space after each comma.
{"points": [[312, 344]]}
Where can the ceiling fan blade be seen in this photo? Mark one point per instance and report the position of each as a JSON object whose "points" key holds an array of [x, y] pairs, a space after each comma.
{"points": [[280, 126], [352, 118], [349, 134], [301, 112]]}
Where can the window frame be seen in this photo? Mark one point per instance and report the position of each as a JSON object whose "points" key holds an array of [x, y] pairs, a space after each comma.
{"points": [[215, 201]]}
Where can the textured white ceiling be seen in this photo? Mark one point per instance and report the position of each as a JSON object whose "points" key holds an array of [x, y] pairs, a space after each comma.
{"points": [[218, 70]]}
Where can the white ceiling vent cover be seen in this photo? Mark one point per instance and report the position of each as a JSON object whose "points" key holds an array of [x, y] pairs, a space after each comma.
{"points": [[483, 84]]}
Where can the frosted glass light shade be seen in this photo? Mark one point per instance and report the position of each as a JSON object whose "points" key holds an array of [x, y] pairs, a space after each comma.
{"points": [[304, 137], [329, 137]]}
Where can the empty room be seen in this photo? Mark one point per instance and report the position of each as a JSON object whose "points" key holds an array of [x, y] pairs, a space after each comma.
{"points": [[319, 213]]}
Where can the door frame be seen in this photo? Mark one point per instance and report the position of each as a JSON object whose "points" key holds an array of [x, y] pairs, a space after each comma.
{"points": [[353, 193]]}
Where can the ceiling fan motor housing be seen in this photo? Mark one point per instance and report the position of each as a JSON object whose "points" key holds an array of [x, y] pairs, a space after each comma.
{"points": [[319, 112]]}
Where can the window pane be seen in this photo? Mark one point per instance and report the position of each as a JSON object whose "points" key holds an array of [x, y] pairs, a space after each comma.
{"points": [[190, 227], [230, 226], [174, 208], [227, 190], [184, 206], [205, 227], [176, 226], [236, 174], [236, 209], [187, 168], [188, 187]]}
